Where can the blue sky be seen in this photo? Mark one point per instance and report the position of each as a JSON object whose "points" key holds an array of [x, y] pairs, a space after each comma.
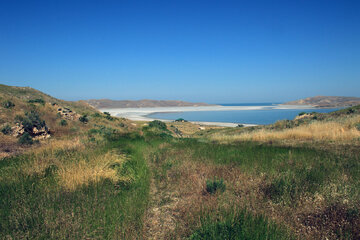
{"points": [[212, 51]]}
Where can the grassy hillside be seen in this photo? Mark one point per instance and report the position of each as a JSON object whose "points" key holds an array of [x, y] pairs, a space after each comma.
{"points": [[27, 106], [336, 128], [110, 178], [327, 101]]}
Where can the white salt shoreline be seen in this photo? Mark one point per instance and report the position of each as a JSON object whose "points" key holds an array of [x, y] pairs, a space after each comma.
{"points": [[141, 114]]}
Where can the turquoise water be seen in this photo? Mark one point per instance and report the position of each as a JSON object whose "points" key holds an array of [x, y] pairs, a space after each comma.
{"points": [[266, 116]]}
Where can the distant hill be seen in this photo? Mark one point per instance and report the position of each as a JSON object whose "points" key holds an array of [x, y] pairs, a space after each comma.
{"points": [[25, 94], [327, 101], [107, 103]]}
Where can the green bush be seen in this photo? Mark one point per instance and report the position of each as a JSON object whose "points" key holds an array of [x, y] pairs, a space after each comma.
{"points": [[302, 113], [96, 115], [158, 124], [214, 185], [6, 129], [26, 139], [8, 104], [180, 120], [37, 100], [63, 122], [357, 126], [108, 116], [84, 118], [30, 120]]}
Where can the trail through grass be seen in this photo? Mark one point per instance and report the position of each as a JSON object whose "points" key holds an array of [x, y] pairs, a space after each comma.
{"points": [[156, 187]]}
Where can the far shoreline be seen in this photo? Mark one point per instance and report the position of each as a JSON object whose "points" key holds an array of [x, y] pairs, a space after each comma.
{"points": [[142, 114]]}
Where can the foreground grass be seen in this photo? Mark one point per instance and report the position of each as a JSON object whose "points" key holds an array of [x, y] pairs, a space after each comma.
{"points": [[127, 186], [239, 225], [66, 201], [314, 193]]}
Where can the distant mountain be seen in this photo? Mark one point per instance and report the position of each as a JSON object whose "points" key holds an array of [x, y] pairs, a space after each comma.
{"points": [[327, 101], [107, 103]]}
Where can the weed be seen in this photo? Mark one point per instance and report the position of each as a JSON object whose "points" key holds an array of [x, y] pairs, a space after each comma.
{"points": [[26, 139], [63, 122], [6, 129], [158, 124], [84, 119], [37, 100], [241, 225], [215, 185], [8, 104], [108, 116]]}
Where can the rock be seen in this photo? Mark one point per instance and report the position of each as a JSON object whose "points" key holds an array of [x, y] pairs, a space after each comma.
{"points": [[37, 134], [68, 114], [17, 130]]}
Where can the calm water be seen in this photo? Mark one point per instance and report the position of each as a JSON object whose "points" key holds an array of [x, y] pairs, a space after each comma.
{"points": [[266, 116]]}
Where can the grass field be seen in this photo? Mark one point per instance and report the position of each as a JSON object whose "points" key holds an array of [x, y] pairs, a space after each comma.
{"points": [[110, 178], [155, 187]]}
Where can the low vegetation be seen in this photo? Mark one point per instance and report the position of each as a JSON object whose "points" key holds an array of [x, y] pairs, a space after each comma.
{"points": [[115, 179]]}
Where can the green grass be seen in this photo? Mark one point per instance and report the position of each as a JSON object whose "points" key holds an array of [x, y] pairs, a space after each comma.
{"points": [[291, 172], [37, 207], [239, 225]]}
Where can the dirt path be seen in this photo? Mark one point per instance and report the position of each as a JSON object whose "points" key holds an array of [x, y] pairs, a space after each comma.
{"points": [[160, 220]]}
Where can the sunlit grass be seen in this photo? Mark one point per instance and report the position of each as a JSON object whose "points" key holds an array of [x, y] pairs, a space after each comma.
{"points": [[317, 131]]}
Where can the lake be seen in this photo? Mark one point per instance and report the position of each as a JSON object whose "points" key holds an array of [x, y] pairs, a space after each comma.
{"points": [[263, 116]]}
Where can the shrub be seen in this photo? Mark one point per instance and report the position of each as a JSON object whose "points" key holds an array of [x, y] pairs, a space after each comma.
{"points": [[8, 104], [37, 100], [84, 119], [180, 120], [108, 116], [216, 184], [302, 113], [63, 122], [26, 139], [31, 120], [96, 115], [158, 124], [357, 126], [240, 125], [6, 129]]}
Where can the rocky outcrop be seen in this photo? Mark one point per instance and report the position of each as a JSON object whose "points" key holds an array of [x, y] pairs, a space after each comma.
{"points": [[37, 134], [67, 113]]}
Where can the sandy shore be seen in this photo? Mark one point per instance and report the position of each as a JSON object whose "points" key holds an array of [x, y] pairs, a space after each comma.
{"points": [[141, 114]]}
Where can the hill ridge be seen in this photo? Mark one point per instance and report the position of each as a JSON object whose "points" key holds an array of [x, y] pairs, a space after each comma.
{"points": [[326, 101]]}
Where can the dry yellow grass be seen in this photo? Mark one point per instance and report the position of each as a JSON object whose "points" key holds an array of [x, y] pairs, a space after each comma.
{"points": [[85, 172], [318, 131], [82, 166], [44, 155]]}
